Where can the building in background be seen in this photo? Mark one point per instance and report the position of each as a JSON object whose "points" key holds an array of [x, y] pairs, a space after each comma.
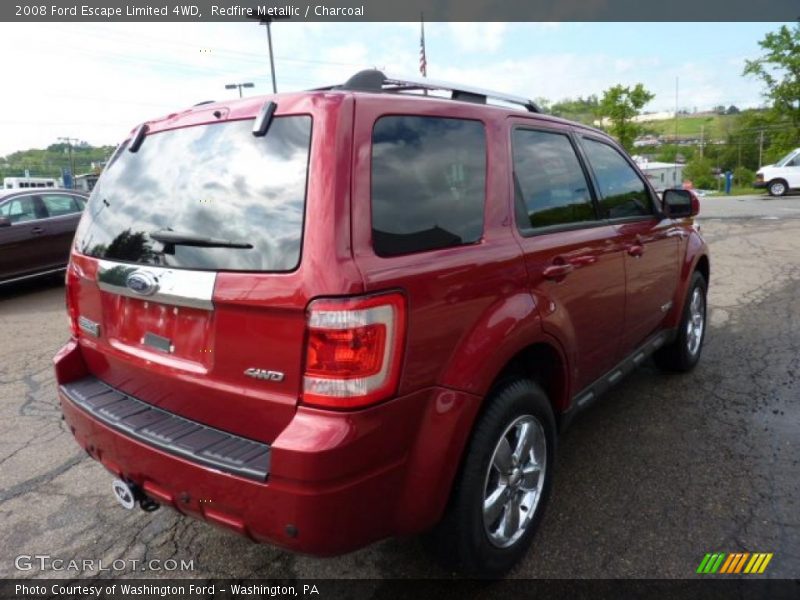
{"points": [[15, 183], [661, 175], [85, 182]]}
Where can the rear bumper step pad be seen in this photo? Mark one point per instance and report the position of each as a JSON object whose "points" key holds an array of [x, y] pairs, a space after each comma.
{"points": [[169, 432]]}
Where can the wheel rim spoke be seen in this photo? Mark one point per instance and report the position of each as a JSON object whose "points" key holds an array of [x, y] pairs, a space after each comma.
{"points": [[494, 504], [511, 519], [524, 442], [530, 476], [502, 457]]}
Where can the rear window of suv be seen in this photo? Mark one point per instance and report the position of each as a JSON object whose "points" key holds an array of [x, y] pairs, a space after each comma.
{"points": [[213, 181], [428, 183]]}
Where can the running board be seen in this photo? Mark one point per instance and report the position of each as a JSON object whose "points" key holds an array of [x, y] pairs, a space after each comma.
{"points": [[592, 392]]}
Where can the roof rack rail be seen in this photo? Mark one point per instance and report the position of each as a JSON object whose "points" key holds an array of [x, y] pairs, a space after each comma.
{"points": [[373, 80]]}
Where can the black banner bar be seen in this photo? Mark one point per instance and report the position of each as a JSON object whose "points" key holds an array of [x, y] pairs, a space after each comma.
{"points": [[406, 10], [705, 588]]}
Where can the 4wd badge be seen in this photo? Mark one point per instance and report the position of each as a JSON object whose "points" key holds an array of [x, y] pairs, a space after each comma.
{"points": [[264, 374]]}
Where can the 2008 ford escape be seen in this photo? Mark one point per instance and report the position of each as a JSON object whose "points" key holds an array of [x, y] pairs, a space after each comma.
{"points": [[324, 318]]}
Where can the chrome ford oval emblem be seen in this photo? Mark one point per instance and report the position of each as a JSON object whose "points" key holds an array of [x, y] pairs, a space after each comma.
{"points": [[142, 282]]}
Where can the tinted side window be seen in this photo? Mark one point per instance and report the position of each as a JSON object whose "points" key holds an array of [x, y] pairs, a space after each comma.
{"points": [[550, 186], [58, 205], [19, 210], [622, 191], [428, 183]]}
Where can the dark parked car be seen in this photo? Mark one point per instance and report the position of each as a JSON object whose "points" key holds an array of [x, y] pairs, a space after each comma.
{"points": [[323, 318], [36, 231]]}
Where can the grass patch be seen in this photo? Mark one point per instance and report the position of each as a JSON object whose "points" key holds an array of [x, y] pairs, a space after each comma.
{"points": [[714, 126]]}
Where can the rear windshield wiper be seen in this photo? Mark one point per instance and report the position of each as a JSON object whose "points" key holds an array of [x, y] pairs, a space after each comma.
{"points": [[172, 238]]}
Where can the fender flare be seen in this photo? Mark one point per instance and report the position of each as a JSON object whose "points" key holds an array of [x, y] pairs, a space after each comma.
{"points": [[506, 327], [696, 250]]}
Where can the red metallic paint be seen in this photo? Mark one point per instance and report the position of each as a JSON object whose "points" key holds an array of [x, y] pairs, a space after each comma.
{"points": [[346, 478], [341, 478]]}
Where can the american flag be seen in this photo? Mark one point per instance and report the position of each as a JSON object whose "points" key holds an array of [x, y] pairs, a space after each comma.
{"points": [[423, 61]]}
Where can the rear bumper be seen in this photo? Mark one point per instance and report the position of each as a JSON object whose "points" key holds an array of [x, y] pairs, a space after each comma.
{"points": [[760, 184], [337, 480]]}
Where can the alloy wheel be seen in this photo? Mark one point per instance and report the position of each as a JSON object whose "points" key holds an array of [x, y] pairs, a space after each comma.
{"points": [[695, 326], [514, 481]]}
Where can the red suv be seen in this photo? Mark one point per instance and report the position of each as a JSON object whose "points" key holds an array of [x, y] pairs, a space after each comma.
{"points": [[324, 318]]}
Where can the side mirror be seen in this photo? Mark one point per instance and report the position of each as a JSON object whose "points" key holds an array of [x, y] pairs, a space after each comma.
{"points": [[681, 203], [5, 222]]}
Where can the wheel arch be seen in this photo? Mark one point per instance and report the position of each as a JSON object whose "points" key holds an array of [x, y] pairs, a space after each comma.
{"points": [[695, 258], [544, 363], [778, 179]]}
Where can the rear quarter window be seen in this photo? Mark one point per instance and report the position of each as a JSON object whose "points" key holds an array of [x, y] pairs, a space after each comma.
{"points": [[428, 183]]}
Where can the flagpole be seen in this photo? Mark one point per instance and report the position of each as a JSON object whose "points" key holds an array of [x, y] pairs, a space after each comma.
{"points": [[423, 59]]}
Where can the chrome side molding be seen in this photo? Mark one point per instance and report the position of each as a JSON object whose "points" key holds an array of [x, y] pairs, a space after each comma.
{"points": [[163, 285]]}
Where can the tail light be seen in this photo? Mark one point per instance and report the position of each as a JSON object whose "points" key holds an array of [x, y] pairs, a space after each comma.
{"points": [[354, 351], [72, 306]]}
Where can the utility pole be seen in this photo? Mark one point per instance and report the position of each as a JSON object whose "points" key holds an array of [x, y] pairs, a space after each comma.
{"points": [[676, 122], [266, 21], [760, 147], [676, 111], [233, 86], [702, 128], [69, 141]]}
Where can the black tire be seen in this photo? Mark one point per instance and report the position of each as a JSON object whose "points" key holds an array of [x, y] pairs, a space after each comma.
{"points": [[461, 541], [778, 187], [677, 356]]}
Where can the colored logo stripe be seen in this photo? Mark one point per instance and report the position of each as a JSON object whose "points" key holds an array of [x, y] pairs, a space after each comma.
{"points": [[736, 562], [711, 563]]}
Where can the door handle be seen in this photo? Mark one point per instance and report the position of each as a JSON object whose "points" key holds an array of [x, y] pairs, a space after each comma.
{"points": [[557, 272], [582, 261], [636, 250], [37, 230]]}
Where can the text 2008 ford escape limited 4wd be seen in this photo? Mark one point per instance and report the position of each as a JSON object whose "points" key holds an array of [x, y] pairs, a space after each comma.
{"points": [[324, 318]]}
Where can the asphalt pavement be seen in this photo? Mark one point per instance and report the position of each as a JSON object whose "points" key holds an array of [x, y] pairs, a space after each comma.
{"points": [[663, 470]]}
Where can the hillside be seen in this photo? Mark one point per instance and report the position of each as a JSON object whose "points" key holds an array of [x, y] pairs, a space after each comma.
{"points": [[689, 126], [48, 162]]}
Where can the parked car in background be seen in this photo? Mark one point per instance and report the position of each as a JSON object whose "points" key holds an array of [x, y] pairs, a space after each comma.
{"points": [[320, 336], [36, 231], [781, 177]]}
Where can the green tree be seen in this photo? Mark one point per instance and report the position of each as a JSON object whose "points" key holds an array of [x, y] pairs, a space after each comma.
{"points": [[620, 104], [673, 153], [779, 70], [698, 171], [49, 162], [583, 110], [742, 176]]}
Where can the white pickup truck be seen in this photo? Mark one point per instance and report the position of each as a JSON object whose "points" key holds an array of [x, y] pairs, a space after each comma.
{"points": [[781, 177]]}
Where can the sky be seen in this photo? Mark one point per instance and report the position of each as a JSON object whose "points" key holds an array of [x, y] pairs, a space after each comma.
{"points": [[95, 81]]}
